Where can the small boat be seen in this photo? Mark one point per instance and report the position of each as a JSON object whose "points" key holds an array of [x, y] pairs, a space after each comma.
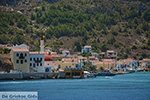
{"points": [[89, 75], [105, 74]]}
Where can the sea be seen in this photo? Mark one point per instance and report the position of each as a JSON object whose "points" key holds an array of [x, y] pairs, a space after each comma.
{"points": [[133, 86]]}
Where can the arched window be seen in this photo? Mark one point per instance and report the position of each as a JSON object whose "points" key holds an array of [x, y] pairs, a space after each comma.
{"points": [[66, 66], [21, 54], [17, 54]]}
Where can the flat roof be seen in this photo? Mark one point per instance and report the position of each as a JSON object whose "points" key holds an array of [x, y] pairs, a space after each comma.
{"points": [[36, 52], [20, 50]]}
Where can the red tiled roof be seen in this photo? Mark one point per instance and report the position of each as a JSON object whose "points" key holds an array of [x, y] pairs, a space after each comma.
{"points": [[48, 58], [87, 46]]}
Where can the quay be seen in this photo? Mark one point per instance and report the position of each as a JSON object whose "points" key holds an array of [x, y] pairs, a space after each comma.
{"points": [[32, 75]]}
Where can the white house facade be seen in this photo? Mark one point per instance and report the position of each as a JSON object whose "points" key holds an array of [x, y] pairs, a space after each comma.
{"points": [[37, 61]]}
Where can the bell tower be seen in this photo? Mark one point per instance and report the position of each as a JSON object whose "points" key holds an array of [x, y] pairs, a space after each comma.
{"points": [[42, 43]]}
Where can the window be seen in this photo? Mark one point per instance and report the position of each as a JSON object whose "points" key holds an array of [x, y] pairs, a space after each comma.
{"points": [[21, 61], [41, 59], [68, 74], [21, 54], [66, 66], [72, 73], [37, 64], [34, 59], [77, 73], [34, 65], [37, 59], [30, 64], [69, 66], [25, 54], [76, 66], [17, 61], [40, 64], [17, 54], [25, 60], [30, 59]]}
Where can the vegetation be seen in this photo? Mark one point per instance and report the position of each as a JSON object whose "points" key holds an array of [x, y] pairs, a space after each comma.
{"points": [[103, 24]]}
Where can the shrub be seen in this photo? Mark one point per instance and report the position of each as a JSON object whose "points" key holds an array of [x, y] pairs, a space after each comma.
{"points": [[134, 47]]}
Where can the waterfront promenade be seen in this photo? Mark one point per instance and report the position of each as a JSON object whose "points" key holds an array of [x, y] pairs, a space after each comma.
{"points": [[31, 75]]}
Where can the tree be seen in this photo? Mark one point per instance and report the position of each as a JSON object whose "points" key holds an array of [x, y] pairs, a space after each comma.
{"points": [[78, 46], [18, 39], [111, 40], [127, 49], [144, 55], [32, 16], [114, 32], [148, 42], [134, 47], [4, 39], [101, 69], [146, 15]]}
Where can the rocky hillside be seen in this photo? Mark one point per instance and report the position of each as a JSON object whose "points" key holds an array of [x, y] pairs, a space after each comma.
{"points": [[122, 25]]}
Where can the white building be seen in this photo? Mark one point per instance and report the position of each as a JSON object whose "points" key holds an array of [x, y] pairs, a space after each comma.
{"points": [[87, 49], [95, 54], [42, 44], [37, 61], [22, 46], [112, 54], [66, 52], [49, 63]]}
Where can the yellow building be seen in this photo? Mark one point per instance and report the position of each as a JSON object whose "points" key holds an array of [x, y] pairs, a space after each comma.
{"points": [[74, 72], [105, 65], [62, 65], [20, 59]]}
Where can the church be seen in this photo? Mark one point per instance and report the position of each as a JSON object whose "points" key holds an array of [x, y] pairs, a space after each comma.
{"points": [[25, 61]]}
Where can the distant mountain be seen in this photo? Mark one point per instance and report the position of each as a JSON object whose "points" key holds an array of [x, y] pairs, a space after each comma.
{"points": [[122, 25]]}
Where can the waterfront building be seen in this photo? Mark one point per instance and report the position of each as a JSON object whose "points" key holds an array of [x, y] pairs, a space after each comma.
{"points": [[74, 73], [20, 59], [87, 49], [49, 63], [37, 61], [62, 65]]}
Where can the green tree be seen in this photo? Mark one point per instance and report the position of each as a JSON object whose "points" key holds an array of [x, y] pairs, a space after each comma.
{"points": [[78, 46], [146, 15], [4, 39]]}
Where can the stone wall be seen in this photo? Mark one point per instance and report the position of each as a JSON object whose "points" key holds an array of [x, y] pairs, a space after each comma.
{"points": [[37, 75]]}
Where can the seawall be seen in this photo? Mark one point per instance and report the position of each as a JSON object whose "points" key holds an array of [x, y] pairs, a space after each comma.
{"points": [[31, 75]]}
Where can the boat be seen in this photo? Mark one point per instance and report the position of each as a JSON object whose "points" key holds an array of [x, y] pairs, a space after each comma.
{"points": [[105, 74], [89, 75]]}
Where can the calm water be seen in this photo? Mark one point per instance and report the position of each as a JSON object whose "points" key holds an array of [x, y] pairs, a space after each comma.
{"points": [[135, 86]]}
